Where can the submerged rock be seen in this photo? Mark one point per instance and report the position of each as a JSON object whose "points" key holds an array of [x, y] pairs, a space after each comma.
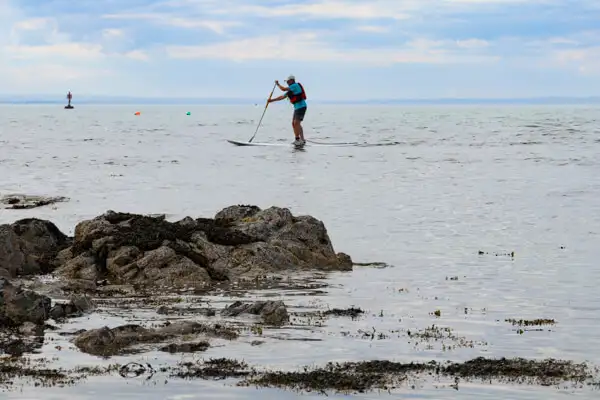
{"points": [[186, 347], [77, 306], [241, 241], [23, 201], [120, 340], [30, 246], [271, 312]]}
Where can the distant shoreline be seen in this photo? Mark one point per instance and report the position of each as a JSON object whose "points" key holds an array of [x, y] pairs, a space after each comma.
{"points": [[92, 100]]}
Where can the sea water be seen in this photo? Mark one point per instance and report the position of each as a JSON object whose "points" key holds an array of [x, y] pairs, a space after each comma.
{"points": [[458, 181]]}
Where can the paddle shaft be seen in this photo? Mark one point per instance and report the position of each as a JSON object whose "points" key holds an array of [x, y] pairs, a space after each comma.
{"points": [[263, 114]]}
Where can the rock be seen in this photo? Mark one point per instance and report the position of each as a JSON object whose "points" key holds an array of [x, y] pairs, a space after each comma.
{"points": [[31, 329], [191, 327], [240, 241], [106, 341], [236, 213], [120, 340], [77, 306], [17, 346], [18, 305], [30, 246], [207, 312], [23, 201], [272, 312], [112, 290], [79, 286], [185, 347]]}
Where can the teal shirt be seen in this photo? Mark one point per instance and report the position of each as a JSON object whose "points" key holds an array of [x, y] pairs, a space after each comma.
{"points": [[295, 89]]}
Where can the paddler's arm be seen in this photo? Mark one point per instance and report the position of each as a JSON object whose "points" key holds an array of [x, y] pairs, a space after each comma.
{"points": [[283, 96], [282, 88]]}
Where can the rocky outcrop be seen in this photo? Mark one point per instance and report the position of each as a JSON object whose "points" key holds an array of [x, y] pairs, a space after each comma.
{"points": [[123, 339], [29, 247], [18, 306], [23, 201], [240, 241], [271, 312]]}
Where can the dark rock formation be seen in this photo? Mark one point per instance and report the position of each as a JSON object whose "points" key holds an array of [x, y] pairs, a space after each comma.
{"points": [[240, 241], [29, 247], [120, 340], [18, 305], [271, 312]]}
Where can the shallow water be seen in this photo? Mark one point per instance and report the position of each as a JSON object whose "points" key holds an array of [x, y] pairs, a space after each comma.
{"points": [[462, 179]]}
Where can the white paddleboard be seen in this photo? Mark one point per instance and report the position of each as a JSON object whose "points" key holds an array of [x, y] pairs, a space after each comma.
{"points": [[308, 143], [238, 143]]}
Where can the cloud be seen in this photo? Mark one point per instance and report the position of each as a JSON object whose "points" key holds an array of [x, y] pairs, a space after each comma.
{"points": [[180, 22], [586, 61], [113, 33], [39, 54], [331, 9], [472, 43], [372, 29], [419, 47], [137, 55], [68, 50], [310, 47], [33, 24]]}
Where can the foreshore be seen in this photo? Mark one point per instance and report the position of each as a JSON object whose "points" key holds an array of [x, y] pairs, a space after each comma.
{"points": [[128, 285]]}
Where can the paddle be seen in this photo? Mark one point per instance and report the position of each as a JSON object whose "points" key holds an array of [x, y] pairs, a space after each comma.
{"points": [[263, 114]]}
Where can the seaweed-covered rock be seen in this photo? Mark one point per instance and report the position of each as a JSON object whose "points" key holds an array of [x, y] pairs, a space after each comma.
{"points": [[271, 312], [23, 201], [123, 339], [240, 241]]}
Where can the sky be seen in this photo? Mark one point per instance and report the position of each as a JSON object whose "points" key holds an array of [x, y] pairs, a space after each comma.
{"points": [[338, 49]]}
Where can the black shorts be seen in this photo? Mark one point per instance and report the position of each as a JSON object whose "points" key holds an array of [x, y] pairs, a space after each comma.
{"points": [[299, 113]]}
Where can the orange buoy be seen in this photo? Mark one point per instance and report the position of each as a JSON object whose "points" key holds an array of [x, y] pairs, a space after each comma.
{"points": [[137, 113]]}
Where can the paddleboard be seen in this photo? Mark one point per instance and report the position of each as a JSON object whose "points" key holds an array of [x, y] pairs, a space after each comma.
{"points": [[238, 143], [308, 143]]}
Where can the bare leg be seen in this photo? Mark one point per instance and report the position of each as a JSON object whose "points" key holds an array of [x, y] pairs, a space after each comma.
{"points": [[297, 128]]}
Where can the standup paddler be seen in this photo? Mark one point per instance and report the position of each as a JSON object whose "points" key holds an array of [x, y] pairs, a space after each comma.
{"points": [[295, 93]]}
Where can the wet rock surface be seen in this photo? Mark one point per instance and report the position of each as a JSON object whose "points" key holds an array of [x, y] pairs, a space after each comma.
{"points": [[240, 241], [23, 201], [271, 312], [123, 339], [29, 247], [19, 305], [77, 306], [186, 347]]}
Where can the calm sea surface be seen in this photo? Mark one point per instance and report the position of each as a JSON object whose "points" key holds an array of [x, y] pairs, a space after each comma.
{"points": [[459, 180]]}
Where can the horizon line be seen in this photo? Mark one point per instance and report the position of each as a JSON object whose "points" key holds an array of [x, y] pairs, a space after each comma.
{"points": [[116, 100]]}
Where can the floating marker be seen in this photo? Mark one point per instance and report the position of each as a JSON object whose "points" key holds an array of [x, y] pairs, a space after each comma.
{"points": [[137, 113]]}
